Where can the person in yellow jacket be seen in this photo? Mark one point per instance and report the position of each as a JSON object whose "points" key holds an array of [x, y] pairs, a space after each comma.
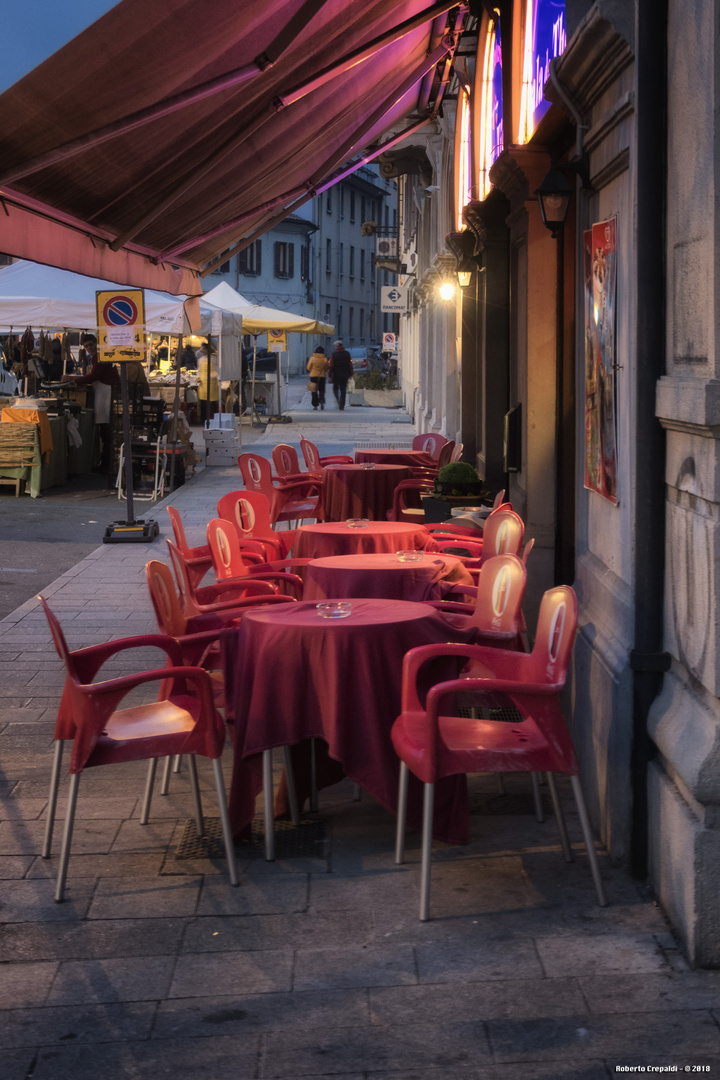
{"points": [[317, 366], [208, 397]]}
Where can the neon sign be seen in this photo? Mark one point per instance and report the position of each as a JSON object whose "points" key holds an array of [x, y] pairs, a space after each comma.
{"points": [[545, 38], [491, 108], [463, 169]]}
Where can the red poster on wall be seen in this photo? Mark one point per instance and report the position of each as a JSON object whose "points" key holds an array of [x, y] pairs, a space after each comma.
{"points": [[600, 268]]}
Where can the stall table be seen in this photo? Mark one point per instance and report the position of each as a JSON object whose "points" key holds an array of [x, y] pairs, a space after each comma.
{"points": [[382, 576], [360, 491], [415, 459], [291, 675], [337, 538]]}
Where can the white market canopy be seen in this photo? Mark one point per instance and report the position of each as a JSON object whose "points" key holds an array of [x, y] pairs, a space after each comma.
{"points": [[46, 298], [257, 319]]}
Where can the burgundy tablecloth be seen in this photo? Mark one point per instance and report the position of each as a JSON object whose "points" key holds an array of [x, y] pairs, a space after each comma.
{"points": [[382, 576], [335, 538], [416, 459], [291, 675], [354, 491]]}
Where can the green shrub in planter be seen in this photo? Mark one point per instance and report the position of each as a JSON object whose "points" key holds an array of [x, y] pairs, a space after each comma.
{"points": [[458, 478]]}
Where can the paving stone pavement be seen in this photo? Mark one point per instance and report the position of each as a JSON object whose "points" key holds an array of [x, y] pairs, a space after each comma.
{"points": [[314, 966]]}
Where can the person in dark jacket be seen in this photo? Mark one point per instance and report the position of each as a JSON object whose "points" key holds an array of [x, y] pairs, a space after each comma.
{"points": [[341, 370]]}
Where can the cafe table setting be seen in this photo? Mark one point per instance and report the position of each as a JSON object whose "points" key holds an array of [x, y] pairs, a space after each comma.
{"points": [[361, 491], [331, 672], [359, 535], [402, 575], [415, 459]]}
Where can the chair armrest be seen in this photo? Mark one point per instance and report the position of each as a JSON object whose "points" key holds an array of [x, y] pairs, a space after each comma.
{"points": [[89, 660]]}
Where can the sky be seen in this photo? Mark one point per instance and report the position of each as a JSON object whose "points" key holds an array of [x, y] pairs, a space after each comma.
{"points": [[32, 30]]}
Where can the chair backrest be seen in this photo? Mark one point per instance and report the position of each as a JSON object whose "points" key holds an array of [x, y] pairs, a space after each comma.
{"points": [[497, 501], [285, 460], [312, 457], [165, 601], [256, 473], [503, 534], [59, 640], [225, 549], [457, 452], [554, 637], [249, 511], [445, 455], [431, 443], [178, 529], [527, 549], [184, 582], [500, 592]]}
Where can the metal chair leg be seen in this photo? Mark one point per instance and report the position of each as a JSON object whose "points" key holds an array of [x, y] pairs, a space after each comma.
{"points": [[178, 763], [401, 814], [560, 818], [589, 840], [268, 806], [291, 789], [199, 822], [147, 797], [225, 821], [539, 814], [357, 793], [428, 801], [313, 779], [500, 783], [67, 838], [165, 786], [52, 799]]}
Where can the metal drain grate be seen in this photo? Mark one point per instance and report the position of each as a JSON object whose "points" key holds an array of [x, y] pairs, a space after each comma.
{"points": [[307, 841]]}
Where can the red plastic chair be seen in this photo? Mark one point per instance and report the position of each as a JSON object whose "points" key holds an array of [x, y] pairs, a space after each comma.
{"points": [[431, 443], [433, 742], [182, 721], [219, 599], [494, 604], [230, 566], [292, 501], [457, 452], [249, 512], [503, 535], [197, 559], [315, 463], [445, 454], [406, 501], [287, 465]]}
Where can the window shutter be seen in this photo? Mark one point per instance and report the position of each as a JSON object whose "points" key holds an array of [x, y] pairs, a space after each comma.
{"points": [[291, 261], [258, 256], [276, 248]]}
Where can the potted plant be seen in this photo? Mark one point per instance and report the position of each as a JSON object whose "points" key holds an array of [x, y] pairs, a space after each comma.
{"points": [[458, 479]]}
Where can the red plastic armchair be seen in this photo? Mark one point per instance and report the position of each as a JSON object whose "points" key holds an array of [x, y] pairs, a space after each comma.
{"points": [[406, 501], [288, 502], [220, 599], [445, 454], [494, 604], [315, 463], [432, 741], [197, 559], [230, 566], [430, 442], [249, 511], [183, 720]]}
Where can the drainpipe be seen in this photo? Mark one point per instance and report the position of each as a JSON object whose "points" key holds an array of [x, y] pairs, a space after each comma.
{"points": [[647, 659]]}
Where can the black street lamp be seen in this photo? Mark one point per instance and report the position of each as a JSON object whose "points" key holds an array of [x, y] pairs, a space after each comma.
{"points": [[554, 199]]}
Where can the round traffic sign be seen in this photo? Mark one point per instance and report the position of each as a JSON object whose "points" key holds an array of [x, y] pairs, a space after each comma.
{"points": [[120, 311]]}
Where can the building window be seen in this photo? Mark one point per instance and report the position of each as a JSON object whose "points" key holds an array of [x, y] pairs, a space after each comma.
{"points": [[386, 277], [372, 271], [223, 268], [328, 200], [352, 206], [363, 215], [372, 325], [328, 256], [327, 313], [362, 264], [341, 259], [361, 327], [351, 322], [338, 328], [250, 260], [284, 259], [341, 197], [304, 262], [351, 270]]}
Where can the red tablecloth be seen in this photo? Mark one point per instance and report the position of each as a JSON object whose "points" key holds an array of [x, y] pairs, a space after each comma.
{"points": [[335, 538], [354, 491], [382, 576], [291, 675], [416, 459]]}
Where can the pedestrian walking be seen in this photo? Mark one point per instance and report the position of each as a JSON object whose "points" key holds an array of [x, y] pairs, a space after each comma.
{"points": [[317, 367], [340, 372]]}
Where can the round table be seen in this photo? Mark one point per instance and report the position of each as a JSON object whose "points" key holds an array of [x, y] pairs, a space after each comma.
{"points": [[291, 675], [416, 459], [356, 491], [382, 576], [336, 538]]}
